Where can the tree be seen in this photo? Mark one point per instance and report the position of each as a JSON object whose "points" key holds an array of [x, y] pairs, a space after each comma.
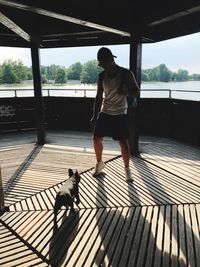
{"points": [[60, 76], [182, 75], [20, 70], [90, 71], [144, 76], [164, 73], [44, 79], [8, 76], [74, 71], [195, 77]]}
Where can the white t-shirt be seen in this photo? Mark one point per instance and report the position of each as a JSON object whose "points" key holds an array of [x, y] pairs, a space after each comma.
{"points": [[113, 103]]}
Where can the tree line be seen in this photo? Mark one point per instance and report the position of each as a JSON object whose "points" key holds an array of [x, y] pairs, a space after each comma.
{"points": [[16, 72], [162, 74]]}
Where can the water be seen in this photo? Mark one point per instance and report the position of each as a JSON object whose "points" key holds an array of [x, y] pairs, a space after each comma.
{"points": [[189, 90]]}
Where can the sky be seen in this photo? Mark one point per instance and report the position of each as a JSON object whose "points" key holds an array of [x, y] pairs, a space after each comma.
{"points": [[177, 53]]}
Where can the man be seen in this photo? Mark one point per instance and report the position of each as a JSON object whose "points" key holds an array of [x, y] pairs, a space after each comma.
{"points": [[110, 114]]}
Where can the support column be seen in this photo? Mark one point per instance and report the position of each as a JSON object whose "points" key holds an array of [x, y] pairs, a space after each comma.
{"points": [[2, 205], [39, 107], [133, 112]]}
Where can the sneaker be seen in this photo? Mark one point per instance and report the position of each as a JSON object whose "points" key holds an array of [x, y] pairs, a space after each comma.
{"points": [[128, 175], [98, 168]]}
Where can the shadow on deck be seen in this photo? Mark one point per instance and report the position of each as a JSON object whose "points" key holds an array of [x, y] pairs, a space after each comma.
{"points": [[153, 222]]}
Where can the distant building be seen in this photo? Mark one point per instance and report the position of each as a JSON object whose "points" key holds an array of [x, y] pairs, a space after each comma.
{"points": [[73, 81]]}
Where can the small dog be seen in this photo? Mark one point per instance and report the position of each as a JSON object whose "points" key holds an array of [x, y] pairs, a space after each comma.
{"points": [[66, 194]]}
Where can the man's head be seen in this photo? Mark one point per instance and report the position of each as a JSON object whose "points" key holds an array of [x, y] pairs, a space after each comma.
{"points": [[105, 56]]}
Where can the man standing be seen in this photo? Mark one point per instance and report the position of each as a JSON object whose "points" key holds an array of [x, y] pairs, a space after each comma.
{"points": [[110, 113]]}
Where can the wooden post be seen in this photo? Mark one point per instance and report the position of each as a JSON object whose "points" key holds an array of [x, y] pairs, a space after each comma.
{"points": [[38, 94], [135, 66], [2, 205]]}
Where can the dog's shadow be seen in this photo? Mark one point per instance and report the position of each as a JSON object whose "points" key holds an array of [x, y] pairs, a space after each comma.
{"points": [[62, 238]]}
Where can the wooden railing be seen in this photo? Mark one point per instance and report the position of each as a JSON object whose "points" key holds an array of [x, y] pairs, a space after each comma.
{"points": [[66, 92], [2, 205]]}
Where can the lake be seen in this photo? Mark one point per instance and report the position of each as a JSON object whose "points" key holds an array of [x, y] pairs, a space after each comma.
{"points": [[189, 90]]}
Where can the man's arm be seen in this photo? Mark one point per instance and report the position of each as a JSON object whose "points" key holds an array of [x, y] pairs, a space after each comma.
{"points": [[98, 100], [133, 88], [129, 86]]}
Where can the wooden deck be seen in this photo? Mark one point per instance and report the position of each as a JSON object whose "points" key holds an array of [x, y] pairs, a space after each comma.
{"points": [[153, 222]]}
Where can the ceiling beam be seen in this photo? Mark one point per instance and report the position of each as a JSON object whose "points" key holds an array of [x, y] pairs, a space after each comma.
{"points": [[14, 27], [63, 17], [174, 16]]}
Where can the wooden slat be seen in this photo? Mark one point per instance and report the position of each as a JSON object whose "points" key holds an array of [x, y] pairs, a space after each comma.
{"points": [[151, 222], [14, 252], [137, 236], [171, 157]]}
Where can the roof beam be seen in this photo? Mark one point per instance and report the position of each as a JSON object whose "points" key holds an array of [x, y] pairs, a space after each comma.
{"points": [[63, 17], [14, 27], [175, 16]]}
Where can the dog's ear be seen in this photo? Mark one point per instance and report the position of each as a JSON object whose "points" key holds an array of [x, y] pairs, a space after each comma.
{"points": [[71, 172], [77, 176]]}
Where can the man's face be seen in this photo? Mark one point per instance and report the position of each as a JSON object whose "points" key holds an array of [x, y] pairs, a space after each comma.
{"points": [[105, 63]]}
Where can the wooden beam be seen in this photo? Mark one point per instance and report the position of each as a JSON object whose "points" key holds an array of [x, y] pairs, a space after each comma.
{"points": [[2, 204], [63, 17], [14, 27], [39, 106], [133, 112], [174, 16]]}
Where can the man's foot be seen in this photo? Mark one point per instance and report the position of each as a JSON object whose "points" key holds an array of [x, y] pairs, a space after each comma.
{"points": [[98, 168], [128, 175]]}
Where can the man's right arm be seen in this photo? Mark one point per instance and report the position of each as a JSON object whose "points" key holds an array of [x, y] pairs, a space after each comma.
{"points": [[98, 100]]}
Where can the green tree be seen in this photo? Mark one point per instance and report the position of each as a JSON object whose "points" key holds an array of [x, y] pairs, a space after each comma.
{"points": [[195, 77], [74, 71], [20, 70], [0, 73], [90, 71], [44, 79], [144, 76], [60, 76], [8, 75], [182, 75], [29, 74], [164, 73]]}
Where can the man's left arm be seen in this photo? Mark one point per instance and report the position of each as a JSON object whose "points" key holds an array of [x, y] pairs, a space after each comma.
{"points": [[133, 88]]}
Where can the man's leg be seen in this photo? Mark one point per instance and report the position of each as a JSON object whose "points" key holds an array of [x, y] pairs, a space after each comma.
{"points": [[98, 148], [125, 151]]}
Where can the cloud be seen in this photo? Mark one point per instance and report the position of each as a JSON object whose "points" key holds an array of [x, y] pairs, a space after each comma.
{"points": [[177, 53], [14, 53]]}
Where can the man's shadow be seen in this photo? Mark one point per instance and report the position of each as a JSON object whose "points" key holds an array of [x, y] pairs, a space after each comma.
{"points": [[178, 224], [127, 233], [62, 237]]}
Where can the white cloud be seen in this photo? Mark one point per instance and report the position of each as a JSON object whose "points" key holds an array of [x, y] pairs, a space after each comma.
{"points": [[15, 54], [177, 53]]}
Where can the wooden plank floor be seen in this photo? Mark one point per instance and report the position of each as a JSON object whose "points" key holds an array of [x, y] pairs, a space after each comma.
{"points": [[154, 221]]}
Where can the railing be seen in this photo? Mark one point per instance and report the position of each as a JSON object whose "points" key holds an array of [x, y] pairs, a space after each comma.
{"points": [[171, 94], [2, 204], [66, 92]]}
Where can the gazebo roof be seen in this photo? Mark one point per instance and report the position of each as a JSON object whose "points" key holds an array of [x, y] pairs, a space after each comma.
{"points": [[68, 23]]}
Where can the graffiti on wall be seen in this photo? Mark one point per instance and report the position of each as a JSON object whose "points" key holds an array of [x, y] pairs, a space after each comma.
{"points": [[7, 111]]}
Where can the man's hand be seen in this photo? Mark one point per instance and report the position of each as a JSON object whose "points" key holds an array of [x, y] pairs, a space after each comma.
{"points": [[93, 122]]}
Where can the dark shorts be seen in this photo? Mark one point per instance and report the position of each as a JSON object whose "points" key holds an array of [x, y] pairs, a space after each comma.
{"points": [[115, 126]]}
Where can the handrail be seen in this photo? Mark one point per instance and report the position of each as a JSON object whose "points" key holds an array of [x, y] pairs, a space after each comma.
{"points": [[2, 204], [85, 91]]}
